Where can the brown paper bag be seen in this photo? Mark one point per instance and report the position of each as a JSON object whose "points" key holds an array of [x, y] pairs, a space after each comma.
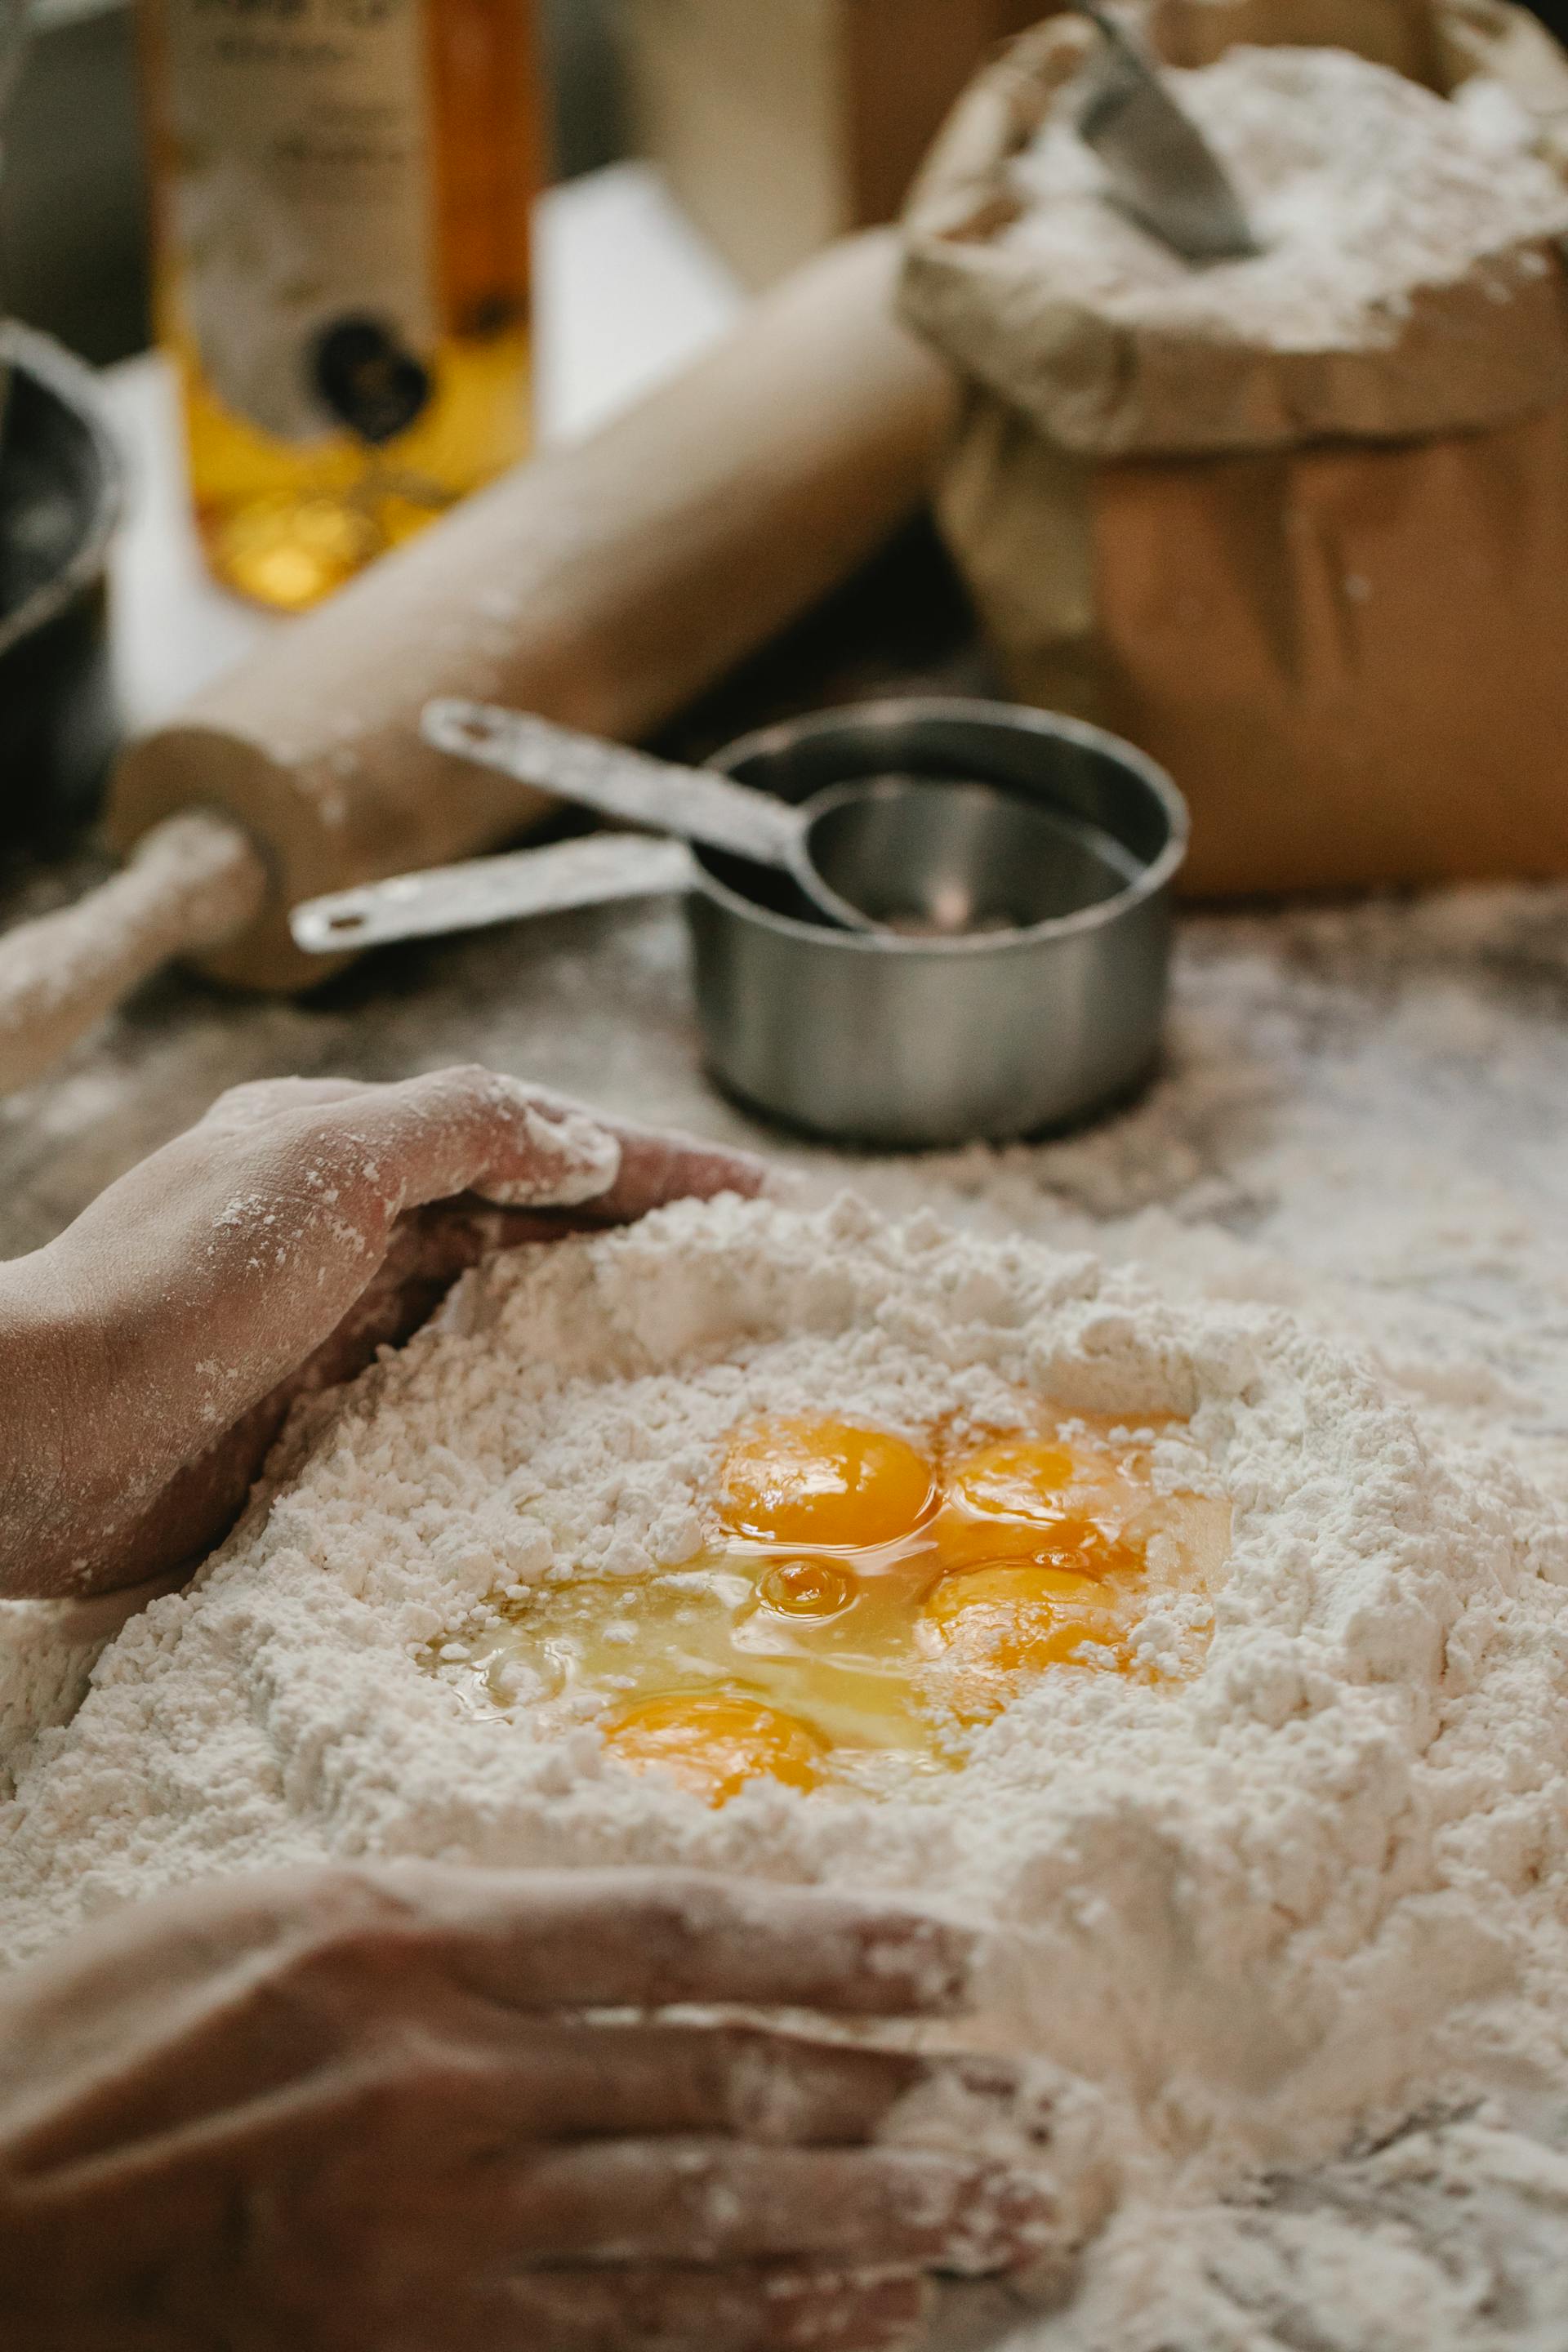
{"points": [[1329, 590]]}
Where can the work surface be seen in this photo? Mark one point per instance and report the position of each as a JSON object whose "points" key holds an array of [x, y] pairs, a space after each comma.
{"points": [[1364, 1114], [1366, 1108]]}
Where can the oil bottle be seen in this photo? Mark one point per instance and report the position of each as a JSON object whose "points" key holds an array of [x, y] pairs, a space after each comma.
{"points": [[341, 198]]}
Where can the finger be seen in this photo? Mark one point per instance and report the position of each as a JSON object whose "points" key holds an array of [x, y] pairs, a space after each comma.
{"points": [[669, 2310], [462, 1131], [573, 2078], [473, 1129], [714, 2200], [470, 1129], [565, 2077], [447, 2099], [657, 1168], [589, 1940]]}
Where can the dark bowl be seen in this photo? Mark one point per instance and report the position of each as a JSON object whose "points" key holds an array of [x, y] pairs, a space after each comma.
{"points": [[61, 493]]}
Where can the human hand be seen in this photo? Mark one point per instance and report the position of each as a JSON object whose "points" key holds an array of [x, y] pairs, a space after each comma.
{"points": [[438, 2110], [149, 1355]]}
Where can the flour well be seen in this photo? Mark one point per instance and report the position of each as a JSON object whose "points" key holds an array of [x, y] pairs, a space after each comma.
{"points": [[1259, 1920], [1361, 189]]}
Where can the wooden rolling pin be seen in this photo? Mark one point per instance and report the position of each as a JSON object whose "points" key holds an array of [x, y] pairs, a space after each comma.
{"points": [[604, 587]]}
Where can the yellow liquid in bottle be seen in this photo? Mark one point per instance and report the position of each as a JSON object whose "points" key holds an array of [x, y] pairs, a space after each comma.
{"points": [[343, 198]]}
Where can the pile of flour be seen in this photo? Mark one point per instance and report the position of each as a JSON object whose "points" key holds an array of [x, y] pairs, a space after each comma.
{"points": [[1361, 188], [1261, 1920]]}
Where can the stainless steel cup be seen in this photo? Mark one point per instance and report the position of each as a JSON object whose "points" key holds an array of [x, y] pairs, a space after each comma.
{"points": [[922, 1041], [1014, 980]]}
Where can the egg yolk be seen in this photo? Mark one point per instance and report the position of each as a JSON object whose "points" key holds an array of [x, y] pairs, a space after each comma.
{"points": [[859, 1597], [811, 1589], [713, 1743], [991, 1625], [824, 1483], [1017, 1500]]}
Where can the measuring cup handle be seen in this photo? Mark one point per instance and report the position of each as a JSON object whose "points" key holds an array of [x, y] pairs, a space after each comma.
{"points": [[618, 782], [570, 874]]}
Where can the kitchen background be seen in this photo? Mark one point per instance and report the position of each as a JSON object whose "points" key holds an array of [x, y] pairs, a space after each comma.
{"points": [[73, 214], [73, 210]]}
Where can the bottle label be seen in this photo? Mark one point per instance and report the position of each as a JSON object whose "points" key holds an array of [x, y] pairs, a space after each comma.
{"points": [[301, 209]]}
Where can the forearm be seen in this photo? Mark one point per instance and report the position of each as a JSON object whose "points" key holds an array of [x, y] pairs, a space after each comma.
{"points": [[137, 1405], [93, 1436], [47, 1439]]}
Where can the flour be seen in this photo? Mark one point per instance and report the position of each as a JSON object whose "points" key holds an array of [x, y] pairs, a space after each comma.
{"points": [[48, 1651], [1358, 1122], [1361, 188], [1251, 1920]]}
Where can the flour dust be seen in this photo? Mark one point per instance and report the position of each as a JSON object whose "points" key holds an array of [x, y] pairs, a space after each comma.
{"points": [[1254, 1925]]}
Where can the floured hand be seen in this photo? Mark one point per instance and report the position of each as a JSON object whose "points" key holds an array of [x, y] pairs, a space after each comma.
{"points": [[437, 2110], [149, 1355]]}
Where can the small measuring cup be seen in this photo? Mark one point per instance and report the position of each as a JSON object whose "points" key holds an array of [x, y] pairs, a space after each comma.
{"points": [[886, 1037], [925, 856]]}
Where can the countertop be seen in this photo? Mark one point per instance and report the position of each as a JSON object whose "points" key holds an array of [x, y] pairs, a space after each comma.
{"points": [[1364, 1113]]}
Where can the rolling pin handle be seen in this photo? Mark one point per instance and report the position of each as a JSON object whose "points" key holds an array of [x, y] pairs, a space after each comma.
{"points": [[192, 883]]}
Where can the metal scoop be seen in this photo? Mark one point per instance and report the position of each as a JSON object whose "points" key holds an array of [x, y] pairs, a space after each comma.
{"points": [[1161, 169], [916, 855]]}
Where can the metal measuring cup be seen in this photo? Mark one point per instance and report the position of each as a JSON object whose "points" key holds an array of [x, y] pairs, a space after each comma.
{"points": [[905, 853], [897, 1042], [892, 1038]]}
